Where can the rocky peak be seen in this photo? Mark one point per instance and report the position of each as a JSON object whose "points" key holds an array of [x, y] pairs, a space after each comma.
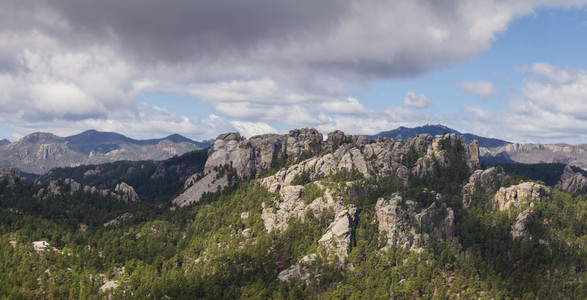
{"points": [[486, 180], [383, 156], [40, 138], [259, 153], [515, 195], [572, 182]]}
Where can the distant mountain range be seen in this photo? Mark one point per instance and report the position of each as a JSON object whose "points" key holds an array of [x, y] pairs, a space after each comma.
{"points": [[434, 130], [495, 151], [39, 152]]}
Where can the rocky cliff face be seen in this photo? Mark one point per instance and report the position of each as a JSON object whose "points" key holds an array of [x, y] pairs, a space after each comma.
{"points": [[514, 196], [253, 156], [122, 192], [381, 157], [127, 193], [520, 227], [572, 182], [410, 227]]}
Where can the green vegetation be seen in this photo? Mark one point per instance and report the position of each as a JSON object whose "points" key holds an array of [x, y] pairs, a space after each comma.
{"points": [[219, 248], [153, 181], [550, 174]]}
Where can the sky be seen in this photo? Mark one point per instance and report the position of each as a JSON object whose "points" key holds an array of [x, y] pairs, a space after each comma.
{"points": [[514, 70]]}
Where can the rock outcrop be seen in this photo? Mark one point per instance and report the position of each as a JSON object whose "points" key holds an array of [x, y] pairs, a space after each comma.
{"points": [[520, 228], [337, 238], [259, 153], [298, 271], [485, 180], [291, 205], [397, 217], [198, 185], [381, 157], [572, 182], [118, 219], [122, 192], [127, 192], [9, 177], [514, 196]]}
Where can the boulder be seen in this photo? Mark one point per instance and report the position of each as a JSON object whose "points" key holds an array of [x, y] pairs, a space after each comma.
{"points": [[299, 270]]}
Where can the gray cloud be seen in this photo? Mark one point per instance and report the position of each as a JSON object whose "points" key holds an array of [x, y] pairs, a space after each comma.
{"points": [[85, 62]]}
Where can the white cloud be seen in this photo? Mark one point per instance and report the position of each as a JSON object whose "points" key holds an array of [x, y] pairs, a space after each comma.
{"points": [[558, 90], [478, 113], [551, 108], [249, 129], [417, 100], [483, 89], [70, 65], [350, 106]]}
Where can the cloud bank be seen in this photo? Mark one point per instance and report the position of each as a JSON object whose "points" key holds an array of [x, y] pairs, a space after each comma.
{"points": [[68, 65]]}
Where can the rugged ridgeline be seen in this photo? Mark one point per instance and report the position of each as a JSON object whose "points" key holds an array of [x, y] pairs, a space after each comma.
{"points": [[40, 152], [434, 130], [574, 155], [339, 152], [304, 186], [302, 183], [495, 151]]}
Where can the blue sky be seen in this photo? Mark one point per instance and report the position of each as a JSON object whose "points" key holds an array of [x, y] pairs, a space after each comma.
{"points": [[510, 70]]}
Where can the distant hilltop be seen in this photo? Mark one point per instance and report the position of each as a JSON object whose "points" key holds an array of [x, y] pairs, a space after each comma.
{"points": [[40, 152], [434, 130]]}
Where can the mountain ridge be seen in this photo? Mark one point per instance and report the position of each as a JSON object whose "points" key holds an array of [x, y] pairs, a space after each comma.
{"points": [[434, 130], [39, 152]]}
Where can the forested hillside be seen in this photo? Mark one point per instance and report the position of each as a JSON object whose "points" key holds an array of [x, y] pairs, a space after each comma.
{"points": [[343, 218]]}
